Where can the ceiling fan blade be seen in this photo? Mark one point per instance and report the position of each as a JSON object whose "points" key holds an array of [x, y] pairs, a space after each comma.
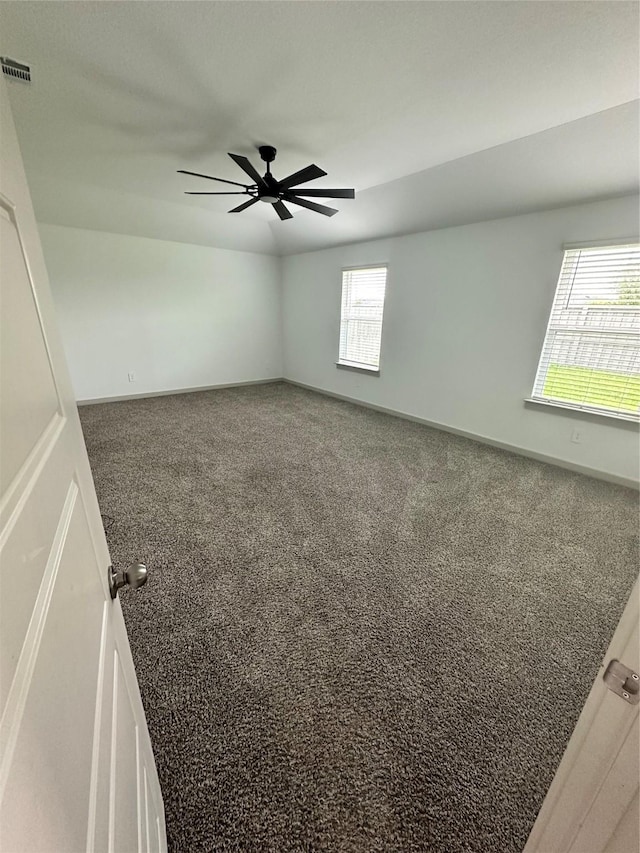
{"points": [[210, 178], [302, 177], [282, 210], [232, 193], [322, 193], [319, 208], [244, 206], [246, 166]]}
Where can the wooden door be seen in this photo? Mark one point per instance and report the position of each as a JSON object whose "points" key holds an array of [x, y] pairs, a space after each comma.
{"points": [[76, 766], [592, 804]]}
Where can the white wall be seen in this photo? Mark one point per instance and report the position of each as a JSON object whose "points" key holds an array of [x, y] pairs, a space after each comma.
{"points": [[465, 317], [177, 315]]}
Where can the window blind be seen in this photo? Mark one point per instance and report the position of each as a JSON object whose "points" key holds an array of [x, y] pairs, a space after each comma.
{"points": [[361, 318], [591, 354]]}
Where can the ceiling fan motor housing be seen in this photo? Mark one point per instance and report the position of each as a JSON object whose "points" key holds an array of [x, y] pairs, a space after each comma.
{"points": [[270, 192]]}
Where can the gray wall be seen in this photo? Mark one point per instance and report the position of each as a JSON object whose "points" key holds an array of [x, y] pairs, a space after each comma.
{"points": [[465, 317], [175, 314]]}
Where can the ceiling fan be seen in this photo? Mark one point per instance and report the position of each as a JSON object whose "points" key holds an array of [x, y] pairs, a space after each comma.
{"points": [[267, 189]]}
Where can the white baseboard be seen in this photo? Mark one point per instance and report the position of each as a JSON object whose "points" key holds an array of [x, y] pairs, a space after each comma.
{"points": [[144, 395], [482, 439]]}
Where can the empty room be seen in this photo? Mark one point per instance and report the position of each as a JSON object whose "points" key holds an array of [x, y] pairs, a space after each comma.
{"points": [[320, 405]]}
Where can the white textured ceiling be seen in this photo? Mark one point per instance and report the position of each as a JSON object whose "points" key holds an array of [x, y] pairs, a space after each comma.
{"points": [[126, 93]]}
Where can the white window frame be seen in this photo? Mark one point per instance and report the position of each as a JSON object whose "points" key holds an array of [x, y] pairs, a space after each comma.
{"points": [[554, 326], [343, 362]]}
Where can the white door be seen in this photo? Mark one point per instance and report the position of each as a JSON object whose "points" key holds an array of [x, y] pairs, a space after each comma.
{"points": [[592, 804], [76, 767]]}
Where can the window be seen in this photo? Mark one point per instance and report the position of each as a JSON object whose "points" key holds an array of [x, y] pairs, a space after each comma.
{"points": [[591, 354], [361, 318]]}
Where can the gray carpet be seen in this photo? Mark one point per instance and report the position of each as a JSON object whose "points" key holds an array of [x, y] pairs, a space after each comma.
{"points": [[359, 634]]}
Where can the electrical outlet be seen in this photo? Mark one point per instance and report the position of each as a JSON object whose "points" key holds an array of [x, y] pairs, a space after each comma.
{"points": [[576, 436], [132, 378]]}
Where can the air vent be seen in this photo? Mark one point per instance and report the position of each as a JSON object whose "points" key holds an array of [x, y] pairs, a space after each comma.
{"points": [[15, 70]]}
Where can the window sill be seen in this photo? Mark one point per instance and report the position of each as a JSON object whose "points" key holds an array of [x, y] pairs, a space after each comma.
{"points": [[631, 418], [359, 368]]}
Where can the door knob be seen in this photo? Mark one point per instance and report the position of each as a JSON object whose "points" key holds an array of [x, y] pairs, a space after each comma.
{"points": [[135, 576]]}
